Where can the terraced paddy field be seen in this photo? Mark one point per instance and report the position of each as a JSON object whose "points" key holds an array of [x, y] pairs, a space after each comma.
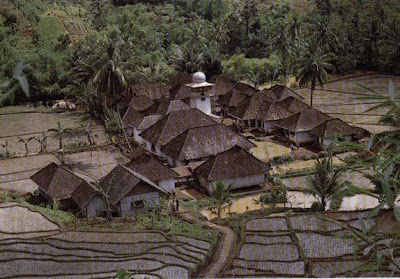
{"points": [[338, 100], [38, 249], [304, 245]]}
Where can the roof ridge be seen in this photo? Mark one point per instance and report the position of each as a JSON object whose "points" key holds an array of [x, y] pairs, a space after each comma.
{"points": [[142, 177]]}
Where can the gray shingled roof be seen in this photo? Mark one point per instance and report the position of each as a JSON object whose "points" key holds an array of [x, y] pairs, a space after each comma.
{"points": [[280, 92], [151, 91], [333, 128], [203, 142], [293, 105]]}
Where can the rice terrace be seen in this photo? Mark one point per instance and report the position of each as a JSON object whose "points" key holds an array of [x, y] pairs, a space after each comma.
{"points": [[199, 139]]}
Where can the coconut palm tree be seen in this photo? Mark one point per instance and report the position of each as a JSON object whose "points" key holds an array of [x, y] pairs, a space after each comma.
{"points": [[221, 196], [326, 183], [313, 68], [60, 133], [188, 60], [25, 141], [42, 141], [282, 44]]}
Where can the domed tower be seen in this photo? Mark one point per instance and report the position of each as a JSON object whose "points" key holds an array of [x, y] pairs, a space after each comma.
{"points": [[200, 93]]}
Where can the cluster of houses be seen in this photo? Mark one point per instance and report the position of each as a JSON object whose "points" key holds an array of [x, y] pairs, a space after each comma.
{"points": [[180, 129]]}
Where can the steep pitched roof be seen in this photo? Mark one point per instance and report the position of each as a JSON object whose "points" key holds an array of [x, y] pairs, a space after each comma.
{"points": [[121, 180], [150, 167], [235, 162], [57, 182], [151, 91], [280, 92], [202, 142], [232, 98], [245, 88], [183, 92], [271, 111], [140, 103], [174, 124], [84, 194], [166, 106], [147, 121], [132, 118], [333, 128], [222, 85], [303, 121], [294, 105]]}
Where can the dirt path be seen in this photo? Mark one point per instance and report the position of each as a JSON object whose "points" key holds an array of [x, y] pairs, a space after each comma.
{"points": [[225, 249]]}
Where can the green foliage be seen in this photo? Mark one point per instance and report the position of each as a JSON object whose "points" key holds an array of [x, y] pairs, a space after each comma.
{"points": [[50, 29], [221, 197]]}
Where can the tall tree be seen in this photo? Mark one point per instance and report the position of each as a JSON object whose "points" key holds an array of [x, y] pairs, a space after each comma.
{"points": [[313, 69]]}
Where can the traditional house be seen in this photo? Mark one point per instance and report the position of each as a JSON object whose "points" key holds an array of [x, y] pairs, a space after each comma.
{"points": [[298, 126], [269, 113], [150, 167], [230, 101], [171, 126], [236, 167], [201, 143], [280, 92], [128, 192], [151, 91], [334, 130], [56, 183]]}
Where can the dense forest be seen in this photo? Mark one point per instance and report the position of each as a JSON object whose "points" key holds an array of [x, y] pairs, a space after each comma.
{"points": [[89, 48]]}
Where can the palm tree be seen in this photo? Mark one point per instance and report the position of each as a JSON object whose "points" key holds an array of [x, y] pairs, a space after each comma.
{"points": [[281, 43], [188, 60], [221, 196], [25, 141], [326, 182], [60, 133], [42, 141], [313, 69]]}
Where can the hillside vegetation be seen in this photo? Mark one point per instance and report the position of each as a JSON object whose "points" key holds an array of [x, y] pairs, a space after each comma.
{"points": [[63, 44]]}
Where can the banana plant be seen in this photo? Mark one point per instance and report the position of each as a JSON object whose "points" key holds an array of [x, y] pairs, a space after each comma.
{"points": [[25, 141], [42, 141], [60, 133], [6, 145]]}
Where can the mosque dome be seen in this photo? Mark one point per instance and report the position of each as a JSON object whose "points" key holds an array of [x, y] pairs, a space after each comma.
{"points": [[199, 77]]}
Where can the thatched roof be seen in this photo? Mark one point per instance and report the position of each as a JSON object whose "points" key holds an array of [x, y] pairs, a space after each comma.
{"points": [[203, 142], [235, 162], [140, 103], [151, 91], [222, 85], [58, 183], [84, 194], [280, 92], [333, 128], [293, 105], [166, 106], [147, 121], [303, 121], [174, 124], [245, 88], [232, 99], [132, 118], [150, 167], [183, 93], [121, 180], [271, 111]]}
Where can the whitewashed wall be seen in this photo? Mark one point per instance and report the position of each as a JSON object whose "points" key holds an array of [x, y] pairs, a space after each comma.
{"points": [[327, 141], [269, 127], [136, 137], [168, 185], [95, 207], [204, 106], [304, 137], [125, 204]]}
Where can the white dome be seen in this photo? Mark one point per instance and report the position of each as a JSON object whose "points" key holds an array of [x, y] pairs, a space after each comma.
{"points": [[198, 77]]}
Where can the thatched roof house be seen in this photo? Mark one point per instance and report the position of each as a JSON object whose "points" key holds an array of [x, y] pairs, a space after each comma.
{"points": [[174, 124], [236, 166], [297, 127], [200, 143], [294, 105], [128, 191], [56, 183], [150, 167], [152, 91]]}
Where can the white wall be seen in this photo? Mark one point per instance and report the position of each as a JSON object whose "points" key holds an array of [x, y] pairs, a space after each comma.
{"points": [[269, 127], [304, 137], [125, 204], [148, 145], [241, 182], [168, 185], [95, 207], [204, 106], [327, 141], [136, 137]]}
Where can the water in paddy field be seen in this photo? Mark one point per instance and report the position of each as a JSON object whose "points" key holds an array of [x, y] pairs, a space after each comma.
{"points": [[296, 199]]}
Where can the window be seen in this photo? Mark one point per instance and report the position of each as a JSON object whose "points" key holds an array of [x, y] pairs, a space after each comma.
{"points": [[138, 204], [202, 93], [203, 99]]}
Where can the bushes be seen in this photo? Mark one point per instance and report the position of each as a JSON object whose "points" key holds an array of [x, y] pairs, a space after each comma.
{"points": [[279, 160]]}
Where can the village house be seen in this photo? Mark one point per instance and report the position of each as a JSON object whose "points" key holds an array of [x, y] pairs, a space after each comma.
{"points": [[279, 93], [201, 143], [236, 167], [298, 126], [57, 183], [151, 168], [154, 91], [293, 105], [171, 126], [335, 130], [129, 193]]}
